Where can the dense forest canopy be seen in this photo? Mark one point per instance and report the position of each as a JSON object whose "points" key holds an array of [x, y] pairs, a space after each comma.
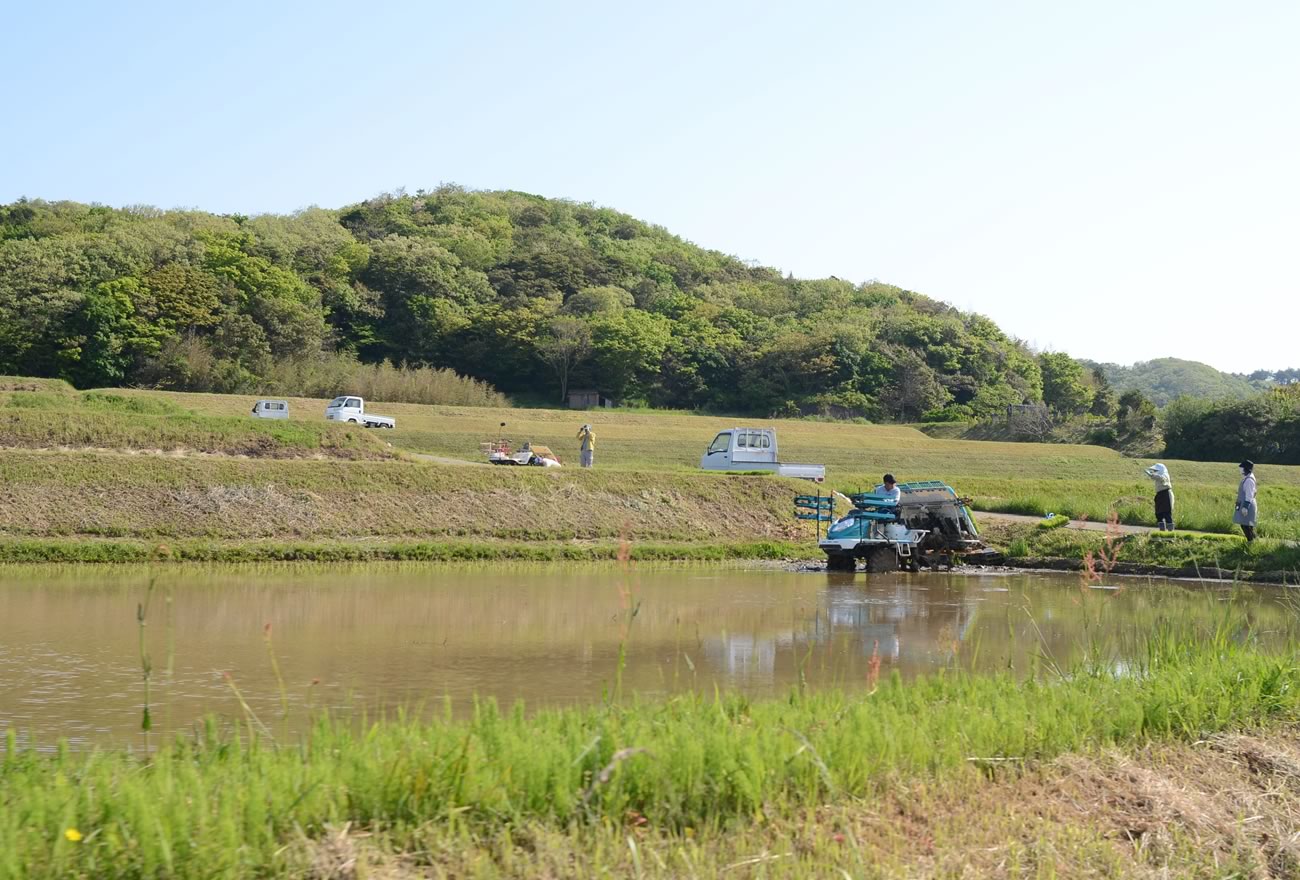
{"points": [[533, 295]]}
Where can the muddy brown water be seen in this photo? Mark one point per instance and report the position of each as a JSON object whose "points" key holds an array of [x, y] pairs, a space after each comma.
{"points": [[376, 638]]}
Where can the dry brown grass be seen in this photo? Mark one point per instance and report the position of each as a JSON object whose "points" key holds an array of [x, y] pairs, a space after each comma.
{"points": [[132, 496], [1225, 807]]}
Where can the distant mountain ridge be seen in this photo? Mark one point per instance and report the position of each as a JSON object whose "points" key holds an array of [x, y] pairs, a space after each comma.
{"points": [[1166, 379]]}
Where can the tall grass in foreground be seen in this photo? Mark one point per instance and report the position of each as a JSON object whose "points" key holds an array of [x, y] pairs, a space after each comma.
{"points": [[331, 375], [219, 804]]}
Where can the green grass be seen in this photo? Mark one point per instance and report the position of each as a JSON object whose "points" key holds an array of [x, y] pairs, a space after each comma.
{"points": [[24, 383], [1174, 550], [646, 476], [82, 550], [100, 420], [219, 804]]}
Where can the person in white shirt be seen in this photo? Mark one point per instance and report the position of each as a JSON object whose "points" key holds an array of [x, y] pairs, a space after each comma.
{"points": [[888, 488], [1246, 512]]}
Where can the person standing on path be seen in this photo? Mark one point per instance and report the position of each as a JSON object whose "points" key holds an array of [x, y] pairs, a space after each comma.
{"points": [[586, 445], [1246, 512], [1159, 475]]}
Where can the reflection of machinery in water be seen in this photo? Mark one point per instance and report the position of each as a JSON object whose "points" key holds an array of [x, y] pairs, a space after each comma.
{"points": [[743, 655], [906, 622], [904, 625], [927, 525]]}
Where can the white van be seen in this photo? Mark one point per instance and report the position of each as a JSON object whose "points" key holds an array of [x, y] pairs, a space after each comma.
{"points": [[271, 409]]}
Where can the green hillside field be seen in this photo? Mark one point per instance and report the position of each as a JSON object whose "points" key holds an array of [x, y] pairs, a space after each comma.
{"points": [[1031, 478], [182, 469]]}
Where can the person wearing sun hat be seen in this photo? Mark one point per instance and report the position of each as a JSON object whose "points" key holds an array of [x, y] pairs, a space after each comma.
{"points": [[1246, 512], [1159, 475]]}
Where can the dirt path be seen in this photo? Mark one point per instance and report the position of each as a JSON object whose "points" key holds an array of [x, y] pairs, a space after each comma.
{"points": [[1082, 524], [438, 459]]}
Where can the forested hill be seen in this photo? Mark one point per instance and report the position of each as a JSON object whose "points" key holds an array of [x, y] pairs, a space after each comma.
{"points": [[1166, 379], [530, 294]]}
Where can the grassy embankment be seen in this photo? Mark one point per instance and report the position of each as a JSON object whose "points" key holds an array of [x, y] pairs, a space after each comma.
{"points": [[94, 507], [950, 773], [1030, 478], [1180, 552], [76, 489], [646, 486], [48, 414]]}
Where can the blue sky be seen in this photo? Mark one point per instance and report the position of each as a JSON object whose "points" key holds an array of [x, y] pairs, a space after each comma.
{"points": [[1117, 180]]}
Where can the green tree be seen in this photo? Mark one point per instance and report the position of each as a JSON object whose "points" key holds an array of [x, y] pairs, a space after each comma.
{"points": [[594, 300], [1135, 412], [96, 351], [627, 348], [1064, 388], [914, 389], [1103, 396], [566, 343]]}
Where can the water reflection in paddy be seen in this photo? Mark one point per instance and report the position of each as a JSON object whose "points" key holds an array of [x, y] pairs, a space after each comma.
{"points": [[379, 637]]}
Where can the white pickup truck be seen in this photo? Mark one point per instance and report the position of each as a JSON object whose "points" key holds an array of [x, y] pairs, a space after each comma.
{"points": [[353, 409], [754, 449]]}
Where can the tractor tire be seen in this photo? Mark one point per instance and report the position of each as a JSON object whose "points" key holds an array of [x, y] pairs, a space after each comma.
{"points": [[840, 562], [882, 559]]}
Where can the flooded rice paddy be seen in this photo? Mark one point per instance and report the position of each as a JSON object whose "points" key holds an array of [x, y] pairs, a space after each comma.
{"points": [[368, 640]]}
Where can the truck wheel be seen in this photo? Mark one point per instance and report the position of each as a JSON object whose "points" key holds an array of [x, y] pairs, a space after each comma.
{"points": [[352, 421], [840, 562], [882, 559]]}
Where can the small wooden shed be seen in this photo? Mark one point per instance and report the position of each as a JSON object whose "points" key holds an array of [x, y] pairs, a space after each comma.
{"points": [[586, 398]]}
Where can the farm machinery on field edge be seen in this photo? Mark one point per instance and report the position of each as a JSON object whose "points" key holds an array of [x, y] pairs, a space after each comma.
{"points": [[928, 525]]}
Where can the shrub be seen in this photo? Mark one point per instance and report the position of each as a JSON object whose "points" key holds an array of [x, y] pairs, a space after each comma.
{"points": [[190, 365], [1105, 436], [951, 413], [330, 375]]}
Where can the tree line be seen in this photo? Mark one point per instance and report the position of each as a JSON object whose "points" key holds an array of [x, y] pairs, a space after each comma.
{"points": [[1263, 428], [534, 296]]}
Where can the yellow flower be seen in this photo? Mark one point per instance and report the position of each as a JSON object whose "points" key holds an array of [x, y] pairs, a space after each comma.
{"points": [[72, 834]]}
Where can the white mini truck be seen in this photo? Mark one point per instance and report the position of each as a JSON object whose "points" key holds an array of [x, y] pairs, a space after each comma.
{"points": [[754, 449], [353, 409]]}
